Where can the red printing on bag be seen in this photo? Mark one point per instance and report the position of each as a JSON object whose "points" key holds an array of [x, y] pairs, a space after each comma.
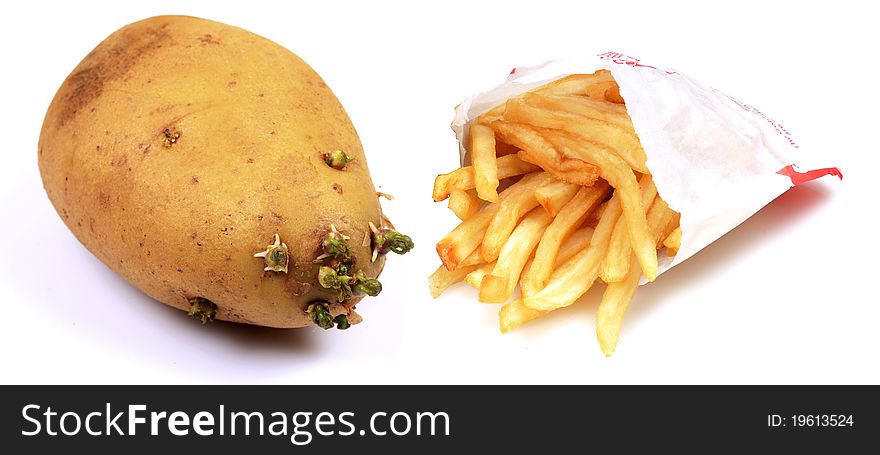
{"points": [[798, 177], [622, 59], [753, 110]]}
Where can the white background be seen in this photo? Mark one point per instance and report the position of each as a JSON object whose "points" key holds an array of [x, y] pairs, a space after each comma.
{"points": [[788, 297]]}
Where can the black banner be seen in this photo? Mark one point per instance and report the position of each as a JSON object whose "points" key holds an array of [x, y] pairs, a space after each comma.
{"points": [[437, 419]]}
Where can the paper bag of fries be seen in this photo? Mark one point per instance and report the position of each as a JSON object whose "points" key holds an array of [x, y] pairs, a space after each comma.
{"points": [[600, 170]]}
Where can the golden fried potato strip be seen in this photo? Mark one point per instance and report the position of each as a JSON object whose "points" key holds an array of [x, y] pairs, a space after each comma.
{"points": [[464, 203], [484, 162]]}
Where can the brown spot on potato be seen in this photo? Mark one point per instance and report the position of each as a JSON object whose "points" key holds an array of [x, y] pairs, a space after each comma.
{"points": [[120, 160], [105, 64], [250, 161], [194, 180], [232, 84], [337, 188], [104, 200], [296, 288], [276, 218], [207, 39]]}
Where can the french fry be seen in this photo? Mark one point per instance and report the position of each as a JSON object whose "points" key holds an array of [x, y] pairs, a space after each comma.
{"points": [[617, 262], [576, 276], [467, 236], [567, 220], [537, 150], [573, 245], [659, 216], [442, 279], [612, 309], [671, 225], [673, 242], [613, 95], [622, 178], [464, 178], [622, 142], [472, 259], [515, 314], [576, 84], [491, 115], [510, 209], [596, 215], [499, 285], [504, 149], [484, 162], [464, 203], [605, 91], [475, 278], [554, 195], [596, 109]]}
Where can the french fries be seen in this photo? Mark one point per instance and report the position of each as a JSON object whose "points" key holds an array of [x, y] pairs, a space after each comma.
{"points": [[599, 110], [617, 262], [615, 302], [567, 220], [576, 84], [464, 178], [623, 142], [585, 210], [624, 181], [574, 278], [538, 151]]}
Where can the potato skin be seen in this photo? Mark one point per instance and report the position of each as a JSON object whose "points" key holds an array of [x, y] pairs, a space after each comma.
{"points": [[183, 220]]}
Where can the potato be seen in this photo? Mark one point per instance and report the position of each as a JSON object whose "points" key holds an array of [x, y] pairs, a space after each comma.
{"points": [[180, 147]]}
